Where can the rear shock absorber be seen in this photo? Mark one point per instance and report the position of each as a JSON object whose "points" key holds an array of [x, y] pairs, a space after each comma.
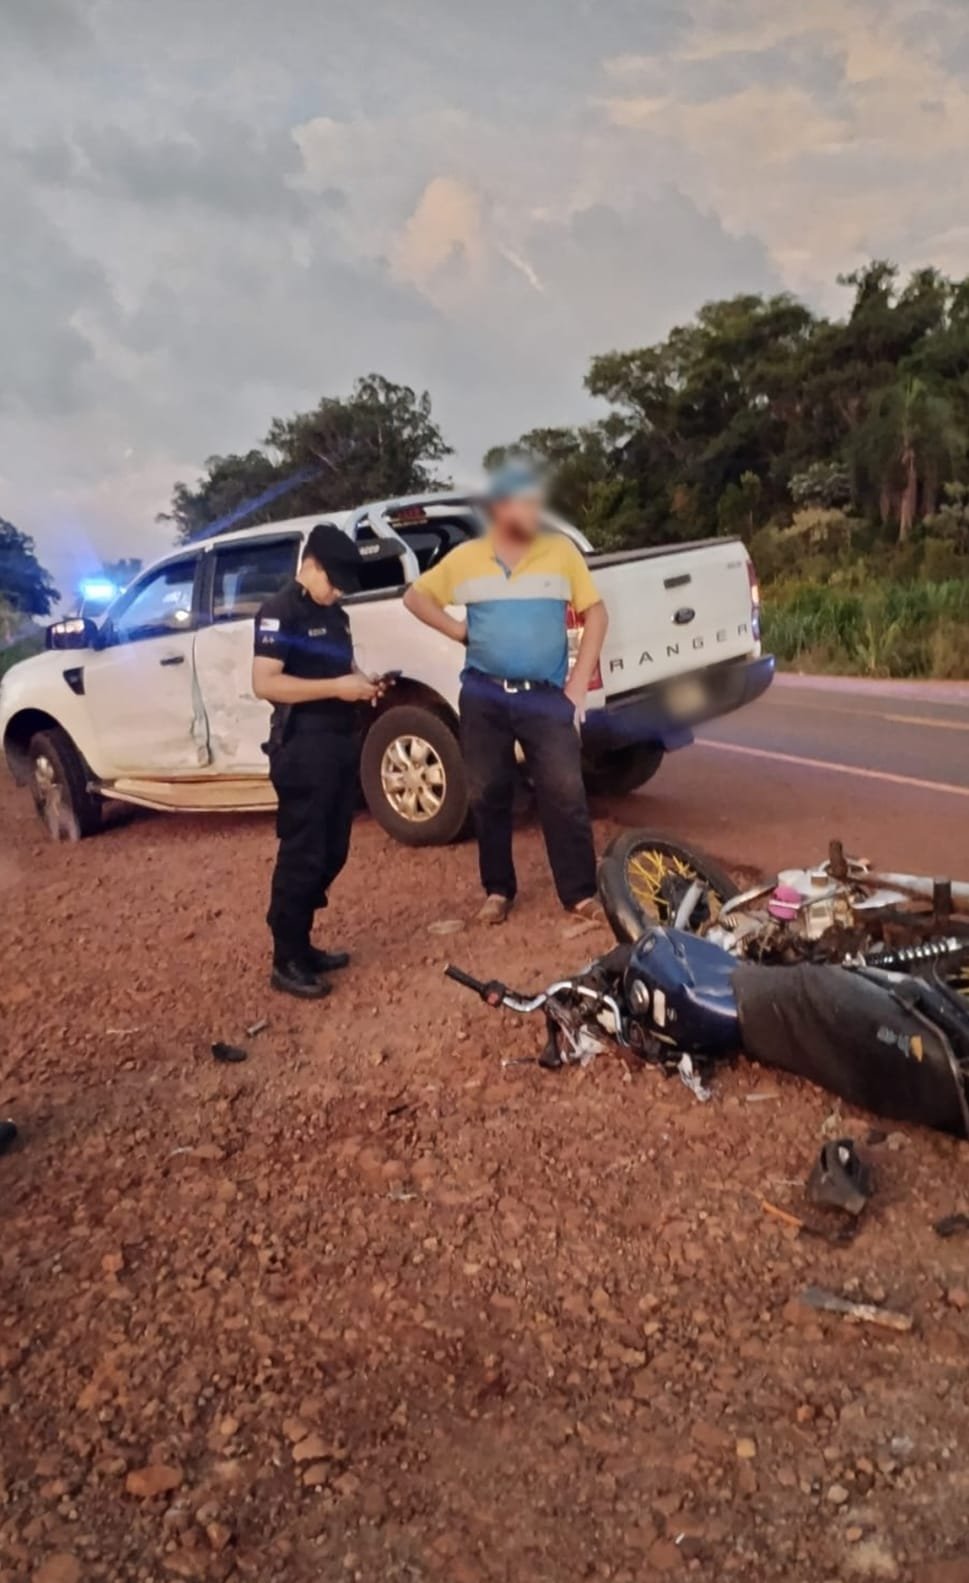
{"points": [[908, 957]]}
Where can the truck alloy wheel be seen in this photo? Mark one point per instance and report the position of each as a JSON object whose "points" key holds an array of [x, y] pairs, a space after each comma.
{"points": [[413, 778], [412, 775], [59, 785], [50, 798]]}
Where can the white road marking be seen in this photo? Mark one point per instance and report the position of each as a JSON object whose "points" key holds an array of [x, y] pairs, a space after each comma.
{"points": [[867, 713], [837, 769], [925, 720]]}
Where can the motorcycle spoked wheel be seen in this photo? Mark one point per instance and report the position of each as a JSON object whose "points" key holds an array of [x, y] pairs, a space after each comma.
{"points": [[635, 876]]}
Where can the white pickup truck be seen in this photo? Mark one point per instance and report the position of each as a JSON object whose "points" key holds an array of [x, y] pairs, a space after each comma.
{"points": [[152, 704]]}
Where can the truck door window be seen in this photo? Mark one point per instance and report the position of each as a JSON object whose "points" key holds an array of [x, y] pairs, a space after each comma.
{"points": [[156, 607], [382, 567], [432, 539], [429, 544], [246, 575]]}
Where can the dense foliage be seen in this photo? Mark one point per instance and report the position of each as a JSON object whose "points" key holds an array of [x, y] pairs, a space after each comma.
{"points": [[377, 442], [835, 447], [759, 406], [26, 588]]}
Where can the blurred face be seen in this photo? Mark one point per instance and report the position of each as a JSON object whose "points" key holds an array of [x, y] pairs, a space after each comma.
{"points": [[517, 516], [317, 584]]}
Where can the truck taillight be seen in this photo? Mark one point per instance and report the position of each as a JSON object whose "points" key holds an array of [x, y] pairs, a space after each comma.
{"points": [[754, 600], [574, 623]]}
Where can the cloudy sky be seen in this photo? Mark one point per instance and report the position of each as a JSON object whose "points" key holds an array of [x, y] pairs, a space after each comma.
{"points": [[214, 211]]}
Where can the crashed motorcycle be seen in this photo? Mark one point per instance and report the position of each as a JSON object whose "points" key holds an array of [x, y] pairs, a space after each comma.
{"points": [[840, 910], [871, 1010]]}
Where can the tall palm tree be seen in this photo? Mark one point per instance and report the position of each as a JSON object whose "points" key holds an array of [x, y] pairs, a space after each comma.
{"points": [[907, 446]]}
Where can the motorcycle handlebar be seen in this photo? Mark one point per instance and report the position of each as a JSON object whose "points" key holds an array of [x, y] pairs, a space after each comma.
{"points": [[460, 977], [493, 993], [498, 994]]}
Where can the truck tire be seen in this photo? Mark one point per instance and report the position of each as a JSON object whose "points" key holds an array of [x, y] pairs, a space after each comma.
{"points": [[413, 777], [58, 784], [623, 770]]}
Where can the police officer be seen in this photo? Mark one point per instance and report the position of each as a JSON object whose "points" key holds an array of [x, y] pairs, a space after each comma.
{"points": [[304, 666]]}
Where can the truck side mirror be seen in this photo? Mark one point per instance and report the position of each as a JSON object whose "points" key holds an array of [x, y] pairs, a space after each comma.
{"points": [[74, 632]]}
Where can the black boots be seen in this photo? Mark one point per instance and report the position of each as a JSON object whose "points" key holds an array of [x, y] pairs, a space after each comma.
{"points": [[326, 961], [298, 978], [299, 973]]}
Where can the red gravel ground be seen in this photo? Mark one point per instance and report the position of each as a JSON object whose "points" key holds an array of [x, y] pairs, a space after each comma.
{"points": [[376, 1306]]}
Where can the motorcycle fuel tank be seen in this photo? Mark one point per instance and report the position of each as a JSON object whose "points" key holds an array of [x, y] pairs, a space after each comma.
{"points": [[680, 988]]}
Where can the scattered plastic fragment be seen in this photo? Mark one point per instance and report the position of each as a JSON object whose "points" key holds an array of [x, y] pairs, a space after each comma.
{"points": [[229, 1052], [840, 1178], [844, 1231], [690, 1077], [855, 1313], [951, 1225]]}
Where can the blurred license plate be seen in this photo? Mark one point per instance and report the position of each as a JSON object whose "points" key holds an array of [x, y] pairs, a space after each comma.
{"points": [[686, 698]]}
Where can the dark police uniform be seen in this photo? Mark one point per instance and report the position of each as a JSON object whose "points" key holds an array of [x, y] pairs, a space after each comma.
{"points": [[313, 758]]}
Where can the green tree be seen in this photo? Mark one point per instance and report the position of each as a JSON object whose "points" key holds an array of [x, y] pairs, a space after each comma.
{"points": [[379, 442], [376, 443], [951, 522], [26, 587], [124, 571], [866, 411], [907, 446], [825, 484], [714, 401], [741, 507], [234, 491]]}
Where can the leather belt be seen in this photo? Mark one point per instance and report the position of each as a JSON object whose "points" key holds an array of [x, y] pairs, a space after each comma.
{"points": [[514, 684]]}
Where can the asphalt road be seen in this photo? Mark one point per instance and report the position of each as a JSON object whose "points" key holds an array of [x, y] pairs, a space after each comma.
{"points": [[882, 765]]}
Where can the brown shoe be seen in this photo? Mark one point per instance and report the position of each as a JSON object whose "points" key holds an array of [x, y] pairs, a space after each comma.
{"points": [[589, 909], [495, 910]]}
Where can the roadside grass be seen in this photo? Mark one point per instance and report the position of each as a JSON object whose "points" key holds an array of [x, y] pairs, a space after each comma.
{"points": [[882, 629]]}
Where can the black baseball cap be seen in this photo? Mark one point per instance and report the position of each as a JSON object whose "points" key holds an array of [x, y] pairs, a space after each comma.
{"points": [[337, 554]]}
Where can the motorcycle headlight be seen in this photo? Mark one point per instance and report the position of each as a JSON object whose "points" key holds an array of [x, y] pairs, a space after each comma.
{"points": [[639, 997]]}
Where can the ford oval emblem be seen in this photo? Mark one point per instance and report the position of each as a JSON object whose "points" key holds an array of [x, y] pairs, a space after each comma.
{"points": [[684, 616]]}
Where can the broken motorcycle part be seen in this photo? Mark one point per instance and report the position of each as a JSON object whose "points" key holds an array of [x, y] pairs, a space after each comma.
{"points": [[229, 1052], [838, 1235], [951, 1225], [840, 1179], [856, 1313]]}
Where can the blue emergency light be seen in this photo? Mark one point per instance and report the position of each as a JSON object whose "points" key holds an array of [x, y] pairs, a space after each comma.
{"points": [[99, 590]]}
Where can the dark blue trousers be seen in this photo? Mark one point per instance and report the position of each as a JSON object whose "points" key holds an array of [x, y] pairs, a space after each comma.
{"points": [[315, 777], [543, 721]]}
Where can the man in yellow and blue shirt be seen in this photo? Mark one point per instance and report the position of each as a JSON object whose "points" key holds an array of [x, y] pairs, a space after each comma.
{"points": [[517, 584]]}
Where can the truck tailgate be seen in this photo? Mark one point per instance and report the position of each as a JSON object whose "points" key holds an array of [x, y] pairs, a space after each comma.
{"points": [[673, 611]]}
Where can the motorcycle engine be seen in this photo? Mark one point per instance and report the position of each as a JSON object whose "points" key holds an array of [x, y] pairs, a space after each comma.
{"points": [[740, 933], [806, 908]]}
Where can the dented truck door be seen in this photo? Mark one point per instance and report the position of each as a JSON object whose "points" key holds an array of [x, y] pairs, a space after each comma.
{"points": [[139, 684], [240, 575]]}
